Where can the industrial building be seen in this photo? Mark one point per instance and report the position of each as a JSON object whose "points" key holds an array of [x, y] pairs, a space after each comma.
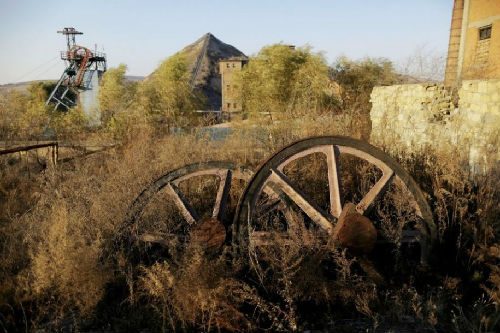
{"points": [[79, 82], [227, 68], [474, 47]]}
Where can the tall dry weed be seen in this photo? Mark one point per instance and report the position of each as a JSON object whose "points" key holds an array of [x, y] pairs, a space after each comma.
{"points": [[466, 207], [59, 263], [200, 292], [66, 274]]}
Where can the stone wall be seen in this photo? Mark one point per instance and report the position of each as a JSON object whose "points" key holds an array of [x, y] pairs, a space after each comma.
{"points": [[416, 117]]}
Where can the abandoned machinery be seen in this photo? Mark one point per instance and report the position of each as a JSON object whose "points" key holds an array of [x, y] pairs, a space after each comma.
{"points": [[328, 190]]}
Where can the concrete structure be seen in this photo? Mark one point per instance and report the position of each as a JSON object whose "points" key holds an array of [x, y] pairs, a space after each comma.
{"points": [[227, 68], [88, 95], [474, 47]]}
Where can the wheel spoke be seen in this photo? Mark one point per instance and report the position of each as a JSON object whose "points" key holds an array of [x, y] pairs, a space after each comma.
{"points": [[310, 208], [186, 210], [348, 209], [334, 185], [375, 192], [266, 238], [222, 194]]}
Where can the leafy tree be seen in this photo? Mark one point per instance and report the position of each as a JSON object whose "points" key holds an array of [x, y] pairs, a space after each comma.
{"points": [[36, 116], [284, 80], [70, 123], [167, 97], [358, 78], [25, 115], [115, 93]]}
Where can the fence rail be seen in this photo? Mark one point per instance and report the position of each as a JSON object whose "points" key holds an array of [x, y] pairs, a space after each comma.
{"points": [[53, 146], [27, 147], [53, 150]]}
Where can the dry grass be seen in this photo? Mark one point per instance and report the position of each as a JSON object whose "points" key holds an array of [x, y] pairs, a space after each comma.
{"points": [[202, 293], [60, 268]]}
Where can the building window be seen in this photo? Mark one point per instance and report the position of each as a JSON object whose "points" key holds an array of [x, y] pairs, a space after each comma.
{"points": [[485, 32], [234, 64], [482, 52], [235, 105], [228, 105], [227, 65], [227, 86]]}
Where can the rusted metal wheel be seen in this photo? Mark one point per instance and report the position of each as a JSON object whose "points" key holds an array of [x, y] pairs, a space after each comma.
{"points": [[187, 204], [363, 198]]}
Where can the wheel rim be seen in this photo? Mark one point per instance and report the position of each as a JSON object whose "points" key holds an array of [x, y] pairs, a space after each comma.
{"points": [[270, 172]]}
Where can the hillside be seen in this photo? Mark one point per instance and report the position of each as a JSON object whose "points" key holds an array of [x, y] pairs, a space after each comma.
{"points": [[206, 53], [23, 86]]}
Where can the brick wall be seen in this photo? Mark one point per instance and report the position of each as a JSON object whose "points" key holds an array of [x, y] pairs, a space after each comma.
{"points": [[454, 44]]}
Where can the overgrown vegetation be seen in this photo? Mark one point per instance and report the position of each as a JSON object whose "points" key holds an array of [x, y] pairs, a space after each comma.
{"points": [[357, 78], [58, 227], [63, 265], [26, 117], [167, 97], [286, 82]]}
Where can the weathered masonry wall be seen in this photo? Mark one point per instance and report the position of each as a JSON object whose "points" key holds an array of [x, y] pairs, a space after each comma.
{"points": [[415, 117]]}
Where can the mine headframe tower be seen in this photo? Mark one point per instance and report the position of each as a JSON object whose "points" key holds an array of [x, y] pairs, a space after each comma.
{"points": [[83, 71]]}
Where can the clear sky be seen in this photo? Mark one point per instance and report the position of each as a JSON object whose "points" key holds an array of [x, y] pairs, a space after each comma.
{"points": [[142, 33]]}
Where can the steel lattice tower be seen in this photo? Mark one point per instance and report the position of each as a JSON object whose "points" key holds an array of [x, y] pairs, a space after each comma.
{"points": [[79, 82]]}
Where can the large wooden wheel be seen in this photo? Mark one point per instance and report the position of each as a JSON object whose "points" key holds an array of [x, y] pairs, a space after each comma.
{"points": [[190, 203], [360, 189]]}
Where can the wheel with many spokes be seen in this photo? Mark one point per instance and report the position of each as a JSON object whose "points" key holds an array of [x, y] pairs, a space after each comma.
{"points": [[344, 190], [192, 203]]}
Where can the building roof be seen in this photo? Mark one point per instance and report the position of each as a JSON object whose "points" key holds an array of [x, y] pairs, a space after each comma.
{"points": [[236, 58]]}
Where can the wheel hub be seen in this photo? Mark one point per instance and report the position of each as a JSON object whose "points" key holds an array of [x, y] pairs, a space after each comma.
{"points": [[209, 233], [355, 231]]}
